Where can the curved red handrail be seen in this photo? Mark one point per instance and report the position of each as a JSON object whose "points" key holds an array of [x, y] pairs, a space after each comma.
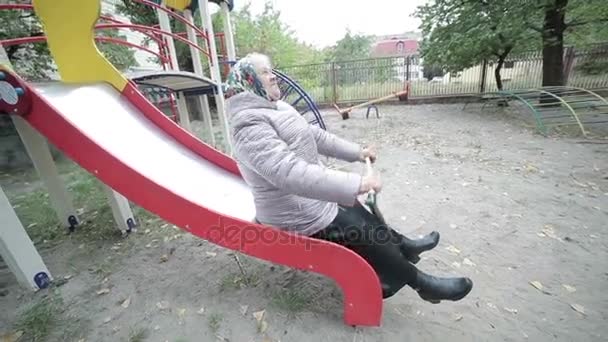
{"points": [[39, 39], [16, 6], [143, 28], [155, 30], [103, 17]]}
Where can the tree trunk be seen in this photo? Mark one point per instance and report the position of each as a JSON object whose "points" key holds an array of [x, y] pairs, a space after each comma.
{"points": [[553, 43], [497, 76], [499, 65]]}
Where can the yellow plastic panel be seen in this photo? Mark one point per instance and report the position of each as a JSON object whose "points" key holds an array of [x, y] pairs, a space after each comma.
{"points": [[68, 25], [179, 5]]}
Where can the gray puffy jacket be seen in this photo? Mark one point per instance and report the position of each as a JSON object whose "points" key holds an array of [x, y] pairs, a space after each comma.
{"points": [[278, 154]]}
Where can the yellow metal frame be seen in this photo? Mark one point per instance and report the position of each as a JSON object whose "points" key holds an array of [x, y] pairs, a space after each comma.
{"points": [[580, 124], [69, 27], [180, 5]]}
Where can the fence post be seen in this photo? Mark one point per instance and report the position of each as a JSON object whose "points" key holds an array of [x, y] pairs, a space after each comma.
{"points": [[333, 83], [482, 81], [568, 63], [407, 68]]}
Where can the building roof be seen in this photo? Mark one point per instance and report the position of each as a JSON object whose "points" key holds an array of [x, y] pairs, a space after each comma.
{"points": [[395, 47]]}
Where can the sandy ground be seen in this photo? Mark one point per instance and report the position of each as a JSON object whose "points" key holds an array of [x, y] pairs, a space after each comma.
{"points": [[521, 214]]}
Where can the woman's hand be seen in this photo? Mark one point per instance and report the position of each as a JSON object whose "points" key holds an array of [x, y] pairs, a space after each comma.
{"points": [[369, 152], [370, 182]]}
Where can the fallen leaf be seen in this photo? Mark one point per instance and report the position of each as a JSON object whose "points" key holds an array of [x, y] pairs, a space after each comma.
{"points": [[149, 245], [107, 320], [537, 284], [103, 291], [456, 264], [68, 277], [125, 304], [211, 254], [263, 326], [12, 337], [259, 315], [513, 311], [468, 262], [201, 311], [458, 318], [156, 328], [453, 226], [244, 309], [105, 280], [578, 308], [162, 305], [491, 305], [181, 313], [550, 232], [531, 168], [569, 288], [453, 249], [115, 248], [147, 231], [494, 224], [164, 258]]}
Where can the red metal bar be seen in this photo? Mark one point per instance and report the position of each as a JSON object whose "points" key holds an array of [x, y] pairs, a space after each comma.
{"points": [[39, 39], [174, 15], [16, 6], [143, 27]]}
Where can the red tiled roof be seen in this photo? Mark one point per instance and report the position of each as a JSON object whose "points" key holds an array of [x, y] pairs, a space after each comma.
{"points": [[388, 48]]}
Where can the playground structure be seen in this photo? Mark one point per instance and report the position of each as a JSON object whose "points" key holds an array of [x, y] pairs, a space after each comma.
{"points": [[100, 118], [552, 107]]}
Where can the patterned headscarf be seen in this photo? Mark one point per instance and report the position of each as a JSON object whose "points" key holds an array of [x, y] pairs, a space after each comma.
{"points": [[242, 77]]}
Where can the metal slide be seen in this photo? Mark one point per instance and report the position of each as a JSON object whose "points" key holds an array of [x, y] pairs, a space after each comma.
{"points": [[128, 144]]}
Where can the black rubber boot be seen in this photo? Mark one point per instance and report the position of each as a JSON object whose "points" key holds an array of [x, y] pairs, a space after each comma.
{"points": [[412, 248], [435, 289]]}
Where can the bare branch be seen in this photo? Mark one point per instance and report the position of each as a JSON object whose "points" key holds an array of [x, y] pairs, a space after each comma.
{"points": [[585, 22]]}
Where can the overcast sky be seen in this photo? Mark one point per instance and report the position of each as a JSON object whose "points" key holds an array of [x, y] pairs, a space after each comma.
{"points": [[323, 22]]}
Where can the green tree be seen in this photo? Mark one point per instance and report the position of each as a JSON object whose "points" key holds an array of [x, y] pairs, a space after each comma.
{"points": [[459, 31], [351, 47], [554, 20], [33, 61], [264, 33], [461, 34]]}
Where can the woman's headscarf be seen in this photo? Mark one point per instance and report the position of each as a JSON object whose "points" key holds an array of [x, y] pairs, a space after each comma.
{"points": [[242, 77]]}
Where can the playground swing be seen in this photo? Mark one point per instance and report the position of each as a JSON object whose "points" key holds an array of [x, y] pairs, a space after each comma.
{"points": [[87, 77]]}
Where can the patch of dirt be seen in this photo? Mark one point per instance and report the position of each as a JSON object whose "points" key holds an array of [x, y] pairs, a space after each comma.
{"points": [[521, 214]]}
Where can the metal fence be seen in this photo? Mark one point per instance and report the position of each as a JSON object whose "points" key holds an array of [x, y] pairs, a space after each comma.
{"points": [[365, 79]]}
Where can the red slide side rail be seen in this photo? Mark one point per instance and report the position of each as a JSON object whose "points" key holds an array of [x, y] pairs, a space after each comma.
{"points": [[358, 281]]}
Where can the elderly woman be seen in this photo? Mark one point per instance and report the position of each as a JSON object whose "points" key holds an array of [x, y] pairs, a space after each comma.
{"points": [[278, 153]]}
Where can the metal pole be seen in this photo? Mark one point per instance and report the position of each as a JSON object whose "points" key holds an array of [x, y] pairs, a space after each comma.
{"points": [[228, 35], [215, 72]]}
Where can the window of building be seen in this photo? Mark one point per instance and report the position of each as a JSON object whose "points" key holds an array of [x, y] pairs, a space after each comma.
{"points": [[400, 47]]}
